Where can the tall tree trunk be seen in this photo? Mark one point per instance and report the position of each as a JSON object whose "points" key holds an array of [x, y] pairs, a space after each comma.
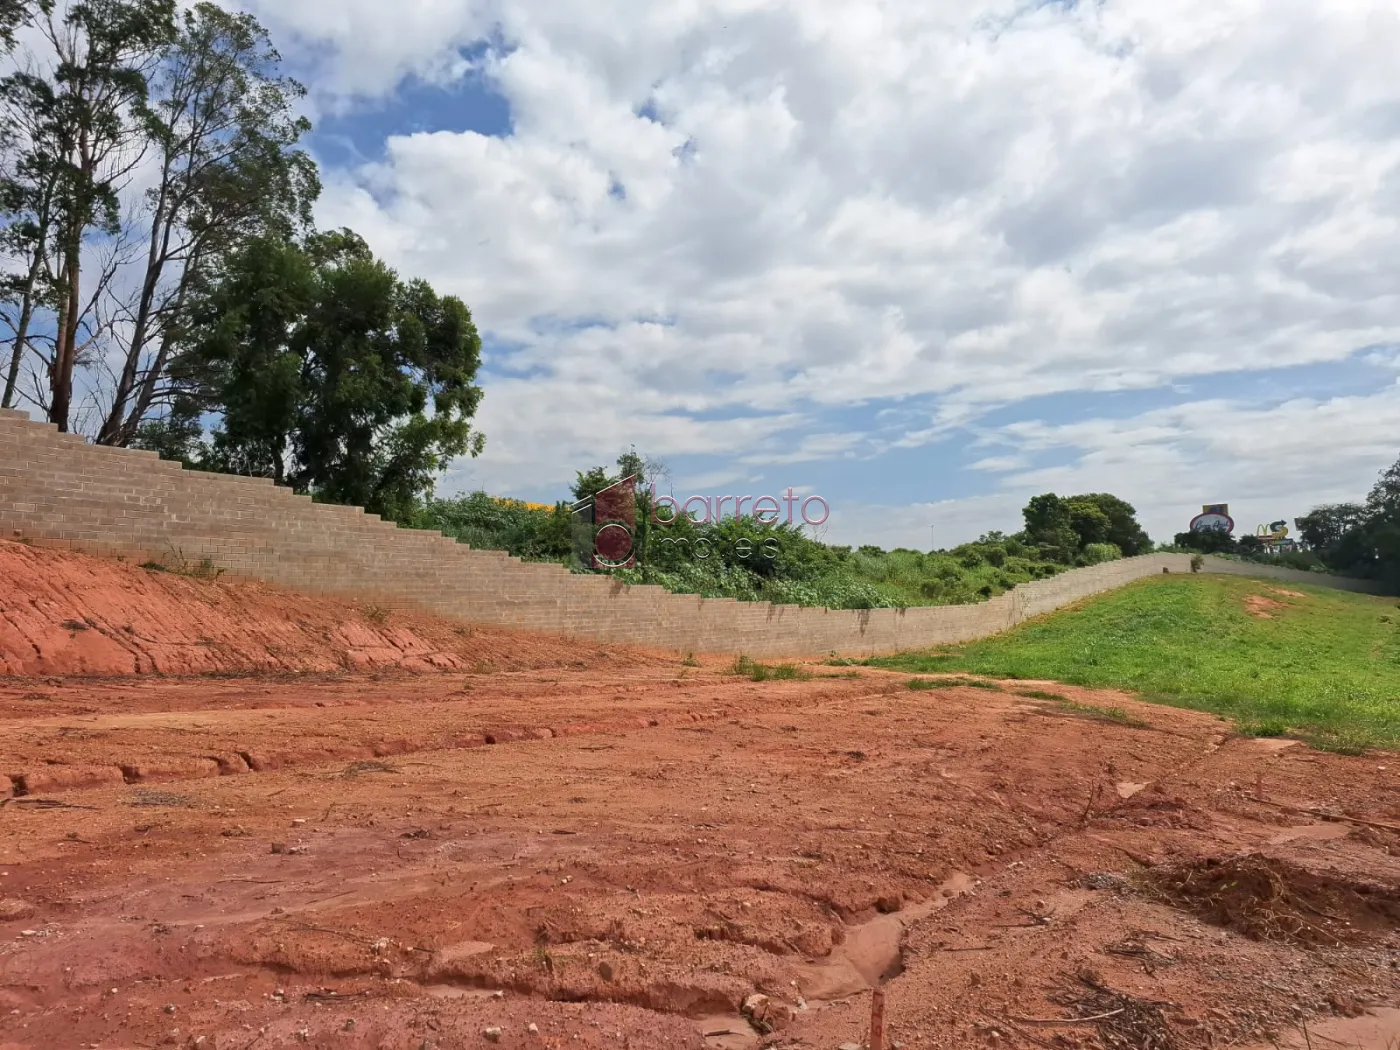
{"points": [[66, 345], [26, 313], [31, 282], [117, 428]]}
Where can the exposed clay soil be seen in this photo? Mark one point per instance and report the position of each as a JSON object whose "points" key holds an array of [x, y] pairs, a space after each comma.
{"points": [[623, 851], [67, 614]]}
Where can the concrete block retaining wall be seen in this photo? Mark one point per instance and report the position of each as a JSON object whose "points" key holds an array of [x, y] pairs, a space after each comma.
{"points": [[58, 489]]}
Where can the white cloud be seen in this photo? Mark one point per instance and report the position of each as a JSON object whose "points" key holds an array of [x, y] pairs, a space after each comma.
{"points": [[957, 207], [1267, 463]]}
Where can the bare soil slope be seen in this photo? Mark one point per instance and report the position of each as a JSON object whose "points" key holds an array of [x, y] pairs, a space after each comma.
{"points": [[72, 614], [639, 853]]}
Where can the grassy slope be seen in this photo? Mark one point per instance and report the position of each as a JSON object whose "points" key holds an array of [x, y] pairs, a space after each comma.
{"points": [[1326, 667]]}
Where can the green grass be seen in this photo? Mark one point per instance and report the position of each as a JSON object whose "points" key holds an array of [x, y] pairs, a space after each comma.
{"points": [[746, 668], [948, 683], [1101, 714], [1325, 668]]}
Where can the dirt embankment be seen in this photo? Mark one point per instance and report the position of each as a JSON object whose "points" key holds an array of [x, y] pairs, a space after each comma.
{"points": [[602, 849], [71, 614]]}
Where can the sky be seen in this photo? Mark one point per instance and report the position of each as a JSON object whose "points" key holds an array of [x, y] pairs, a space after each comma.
{"points": [[923, 259]]}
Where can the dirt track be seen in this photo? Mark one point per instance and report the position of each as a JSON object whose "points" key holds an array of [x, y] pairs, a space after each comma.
{"points": [[621, 850]]}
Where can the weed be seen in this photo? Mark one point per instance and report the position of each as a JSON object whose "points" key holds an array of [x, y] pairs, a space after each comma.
{"points": [[1102, 714], [690, 660], [1040, 694], [179, 565], [1269, 727], [751, 669], [950, 683], [789, 673], [376, 615], [977, 683]]}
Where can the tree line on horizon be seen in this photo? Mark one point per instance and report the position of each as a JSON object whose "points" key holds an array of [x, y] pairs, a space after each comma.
{"points": [[165, 286]]}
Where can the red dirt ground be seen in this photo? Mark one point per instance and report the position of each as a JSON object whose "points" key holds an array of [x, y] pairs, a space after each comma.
{"points": [[475, 839]]}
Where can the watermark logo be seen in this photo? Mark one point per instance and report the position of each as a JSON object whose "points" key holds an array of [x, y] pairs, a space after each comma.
{"points": [[605, 527], [605, 534], [765, 508]]}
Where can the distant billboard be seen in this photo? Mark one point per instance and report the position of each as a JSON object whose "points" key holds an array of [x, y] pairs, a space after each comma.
{"points": [[1214, 517]]}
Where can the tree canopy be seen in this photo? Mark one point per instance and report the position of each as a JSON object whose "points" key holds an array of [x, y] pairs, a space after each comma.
{"points": [[327, 372], [1064, 528], [164, 285], [1361, 539]]}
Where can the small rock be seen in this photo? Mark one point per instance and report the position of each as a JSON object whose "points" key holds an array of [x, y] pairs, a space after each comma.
{"points": [[279, 847], [1103, 880], [533, 1028], [169, 1008], [498, 994], [492, 1034], [605, 970], [851, 1046]]}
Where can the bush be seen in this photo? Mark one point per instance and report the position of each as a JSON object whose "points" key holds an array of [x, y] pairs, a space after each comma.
{"points": [[804, 572], [1098, 553]]}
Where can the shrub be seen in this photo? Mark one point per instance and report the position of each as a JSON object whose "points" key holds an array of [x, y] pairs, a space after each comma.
{"points": [[1098, 553]]}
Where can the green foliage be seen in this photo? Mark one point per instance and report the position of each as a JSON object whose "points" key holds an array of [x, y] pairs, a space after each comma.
{"points": [[72, 128], [1101, 714], [1326, 669], [487, 523], [1206, 541], [1063, 528], [1050, 527], [223, 133], [330, 374], [1098, 553], [747, 668], [591, 482], [731, 558], [1359, 539]]}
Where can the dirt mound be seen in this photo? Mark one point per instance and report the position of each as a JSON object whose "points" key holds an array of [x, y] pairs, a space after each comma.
{"points": [[70, 614], [1274, 900], [1263, 608]]}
